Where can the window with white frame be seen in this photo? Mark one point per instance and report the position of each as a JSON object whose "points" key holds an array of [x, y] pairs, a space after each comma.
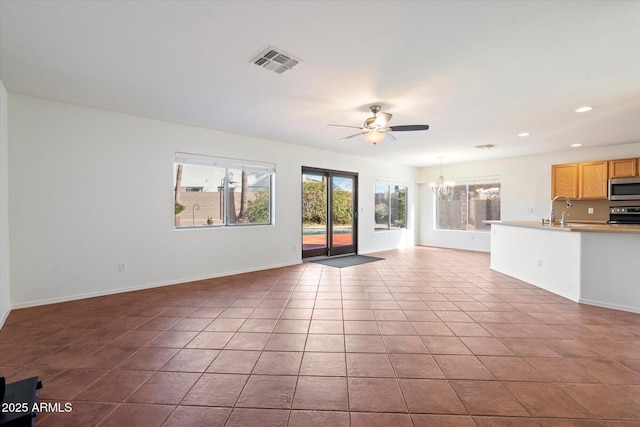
{"points": [[214, 191], [468, 204], [390, 206]]}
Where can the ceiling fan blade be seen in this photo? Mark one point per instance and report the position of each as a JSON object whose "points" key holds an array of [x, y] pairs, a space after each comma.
{"points": [[344, 126], [408, 128], [352, 136], [382, 120], [389, 137]]}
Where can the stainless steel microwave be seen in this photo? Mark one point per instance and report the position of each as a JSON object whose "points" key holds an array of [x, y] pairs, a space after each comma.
{"points": [[624, 188]]}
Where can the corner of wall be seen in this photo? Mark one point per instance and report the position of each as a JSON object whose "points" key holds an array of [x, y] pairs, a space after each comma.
{"points": [[5, 298]]}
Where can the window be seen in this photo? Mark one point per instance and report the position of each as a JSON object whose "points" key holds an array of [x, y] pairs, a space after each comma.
{"points": [[468, 205], [390, 207], [213, 191]]}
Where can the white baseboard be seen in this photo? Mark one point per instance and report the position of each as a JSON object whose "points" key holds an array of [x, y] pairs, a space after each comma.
{"points": [[455, 248], [611, 306], [76, 297], [3, 317]]}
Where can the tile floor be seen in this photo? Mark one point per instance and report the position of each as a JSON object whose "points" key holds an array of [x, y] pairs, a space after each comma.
{"points": [[427, 337]]}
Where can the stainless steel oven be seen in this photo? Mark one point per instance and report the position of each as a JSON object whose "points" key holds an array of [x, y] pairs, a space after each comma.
{"points": [[624, 188], [624, 215]]}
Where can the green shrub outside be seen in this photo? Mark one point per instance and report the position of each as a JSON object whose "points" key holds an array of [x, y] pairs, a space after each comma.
{"points": [[258, 209], [314, 204]]}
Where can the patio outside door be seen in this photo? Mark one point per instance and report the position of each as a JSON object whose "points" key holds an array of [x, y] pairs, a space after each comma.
{"points": [[329, 212]]}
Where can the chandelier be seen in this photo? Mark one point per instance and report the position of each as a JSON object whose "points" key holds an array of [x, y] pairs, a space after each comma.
{"points": [[442, 186]]}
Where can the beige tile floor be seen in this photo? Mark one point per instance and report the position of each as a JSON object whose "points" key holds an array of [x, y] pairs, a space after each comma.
{"points": [[427, 337]]}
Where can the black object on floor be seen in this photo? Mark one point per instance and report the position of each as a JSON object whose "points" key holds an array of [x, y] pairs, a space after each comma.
{"points": [[347, 261], [19, 402]]}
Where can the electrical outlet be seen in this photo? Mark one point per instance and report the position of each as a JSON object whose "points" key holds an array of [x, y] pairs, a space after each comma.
{"points": [[540, 263], [590, 211], [529, 210], [122, 266]]}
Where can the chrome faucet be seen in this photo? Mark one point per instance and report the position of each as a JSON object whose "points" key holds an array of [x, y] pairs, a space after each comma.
{"points": [[564, 214], [552, 215]]}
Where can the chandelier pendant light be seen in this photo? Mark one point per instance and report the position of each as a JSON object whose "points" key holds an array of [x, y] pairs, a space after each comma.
{"points": [[442, 186]]}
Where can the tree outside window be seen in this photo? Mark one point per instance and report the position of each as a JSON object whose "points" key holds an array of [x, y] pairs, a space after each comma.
{"points": [[211, 191], [390, 207]]}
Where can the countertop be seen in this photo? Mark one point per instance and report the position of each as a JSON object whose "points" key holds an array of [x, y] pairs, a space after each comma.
{"points": [[573, 226]]}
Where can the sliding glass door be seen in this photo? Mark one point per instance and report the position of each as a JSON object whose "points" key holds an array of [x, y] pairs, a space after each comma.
{"points": [[329, 212]]}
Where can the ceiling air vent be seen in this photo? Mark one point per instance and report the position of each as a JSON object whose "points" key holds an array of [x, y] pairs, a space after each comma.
{"points": [[485, 147], [275, 60]]}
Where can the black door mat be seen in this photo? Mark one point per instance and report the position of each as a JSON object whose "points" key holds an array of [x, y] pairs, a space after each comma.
{"points": [[347, 261]]}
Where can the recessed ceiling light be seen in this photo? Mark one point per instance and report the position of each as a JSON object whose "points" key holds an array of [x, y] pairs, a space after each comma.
{"points": [[584, 109], [576, 145], [524, 134]]}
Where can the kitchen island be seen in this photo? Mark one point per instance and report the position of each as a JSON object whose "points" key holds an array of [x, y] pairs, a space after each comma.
{"points": [[596, 264]]}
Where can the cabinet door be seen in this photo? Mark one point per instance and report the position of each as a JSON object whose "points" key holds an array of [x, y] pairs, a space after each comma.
{"points": [[564, 180], [623, 168], [593, 180]]}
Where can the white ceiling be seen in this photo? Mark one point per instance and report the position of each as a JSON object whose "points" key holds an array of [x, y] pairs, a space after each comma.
{"points": [[478, 72]]}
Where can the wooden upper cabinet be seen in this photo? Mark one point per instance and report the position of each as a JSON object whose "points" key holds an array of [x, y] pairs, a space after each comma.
{"points": [[592, 178], [623, 168], [564, 180]]}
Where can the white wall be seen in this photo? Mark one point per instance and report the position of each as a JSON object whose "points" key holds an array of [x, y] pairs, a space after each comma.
{"points": [[611, 278], [577, 264], [91, 188], [4, 209], [526, 185], [547, 258]]}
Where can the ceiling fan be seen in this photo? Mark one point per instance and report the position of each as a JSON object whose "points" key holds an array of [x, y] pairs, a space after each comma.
{"points": [[376, 129]]}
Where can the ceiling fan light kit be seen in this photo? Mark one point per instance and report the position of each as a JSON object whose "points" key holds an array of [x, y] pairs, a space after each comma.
{"points": [[375, 136], [376, 129]]}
